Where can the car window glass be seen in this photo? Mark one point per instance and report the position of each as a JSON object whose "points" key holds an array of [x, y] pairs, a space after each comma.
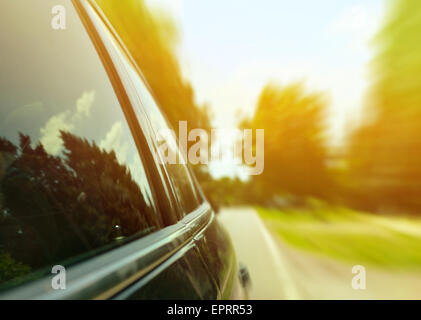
{"points": [[179, 173], [72, 182]]}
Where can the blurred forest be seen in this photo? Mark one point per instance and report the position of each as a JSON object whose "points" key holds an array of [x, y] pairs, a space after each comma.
{"points": [[380, 170], [377, 169], [384, 166]]}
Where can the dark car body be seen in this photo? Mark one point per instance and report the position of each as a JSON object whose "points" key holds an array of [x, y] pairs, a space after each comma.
{"points": [[71, 193]]}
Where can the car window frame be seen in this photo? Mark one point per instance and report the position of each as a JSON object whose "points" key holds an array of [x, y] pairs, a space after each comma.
{"points": [[89, 8], [118, 56], [147, 127]]}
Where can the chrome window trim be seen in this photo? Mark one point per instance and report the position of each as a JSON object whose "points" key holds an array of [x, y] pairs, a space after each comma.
{"points": [[107, 274]]}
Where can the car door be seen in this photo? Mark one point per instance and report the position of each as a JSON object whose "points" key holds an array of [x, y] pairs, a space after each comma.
{"points": [[78, 191]]}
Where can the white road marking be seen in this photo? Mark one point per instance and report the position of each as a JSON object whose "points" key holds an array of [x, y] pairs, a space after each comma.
{"points": [[256, 248], [290, 290]]}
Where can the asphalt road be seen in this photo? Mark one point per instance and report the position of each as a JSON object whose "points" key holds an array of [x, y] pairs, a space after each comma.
{"points": [[279, 271], [257, 249]]}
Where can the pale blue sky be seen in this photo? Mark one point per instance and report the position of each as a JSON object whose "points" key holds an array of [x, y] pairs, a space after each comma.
{"points": [[231, 48], [237, 31]]}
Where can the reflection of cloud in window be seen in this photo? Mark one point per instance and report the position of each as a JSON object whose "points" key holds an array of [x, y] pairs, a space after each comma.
{"points": [[114, 141], [50, 138], [65, 121], [85, 102]]}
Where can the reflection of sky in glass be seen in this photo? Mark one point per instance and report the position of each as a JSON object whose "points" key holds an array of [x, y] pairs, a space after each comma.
{"points": [[230, 49], [62, 87]]}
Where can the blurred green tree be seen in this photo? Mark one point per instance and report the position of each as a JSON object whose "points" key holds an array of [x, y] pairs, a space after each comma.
{"points": [[384, 153], [295, 150]]}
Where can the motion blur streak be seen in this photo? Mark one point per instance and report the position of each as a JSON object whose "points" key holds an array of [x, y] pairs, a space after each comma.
{"points": [[356, 202]]}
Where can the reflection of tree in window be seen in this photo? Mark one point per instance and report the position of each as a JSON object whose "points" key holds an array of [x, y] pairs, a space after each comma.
{"points": [[54, 208]]}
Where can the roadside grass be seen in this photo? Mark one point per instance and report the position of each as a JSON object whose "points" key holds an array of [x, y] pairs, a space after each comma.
{"points": [[349, 235]]}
